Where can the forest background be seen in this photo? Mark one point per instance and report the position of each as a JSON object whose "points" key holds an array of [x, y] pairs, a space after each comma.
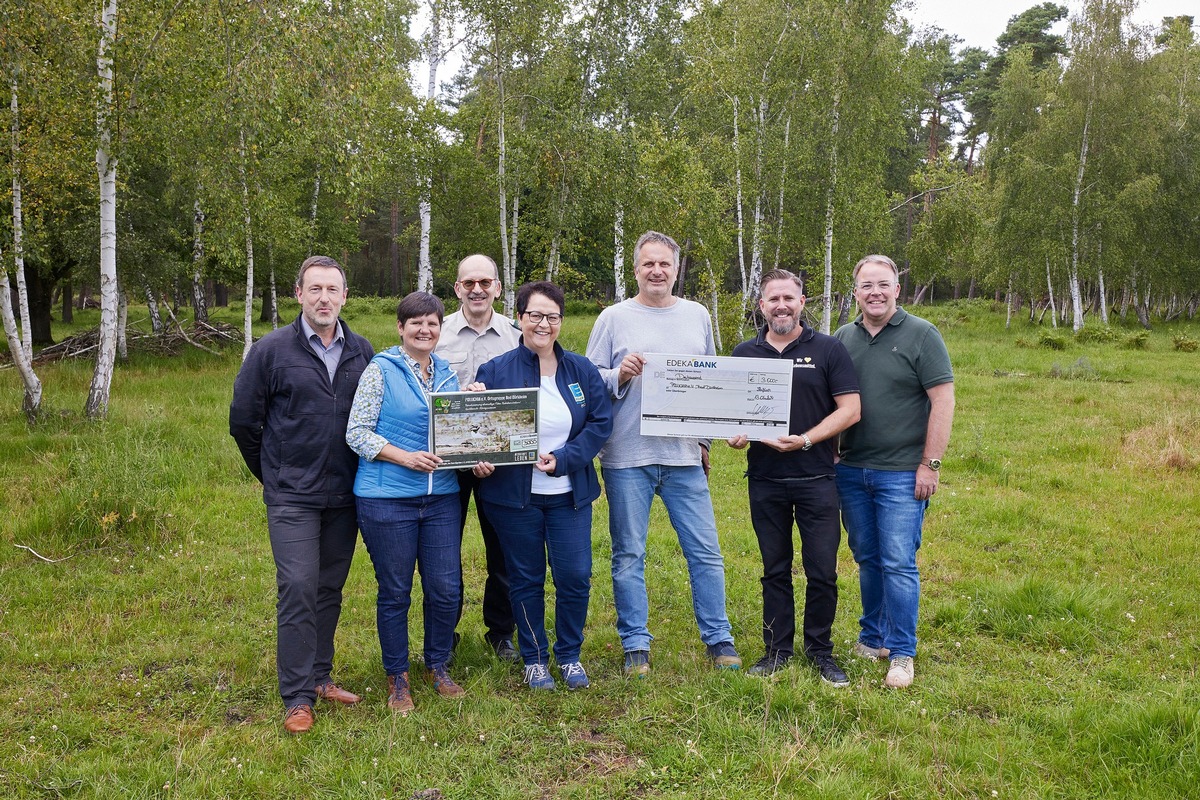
{"points": [[193, 149]]}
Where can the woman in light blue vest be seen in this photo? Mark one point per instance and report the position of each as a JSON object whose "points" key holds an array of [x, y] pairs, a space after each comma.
{"points": [[408, 512]]}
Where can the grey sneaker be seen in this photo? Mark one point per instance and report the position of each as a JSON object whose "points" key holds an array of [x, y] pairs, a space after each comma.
{"points": [[637, 663], [831, 673], [769, 664], [573, 675], [724, 656], [538, 677], [870, 653], [900, 674]]}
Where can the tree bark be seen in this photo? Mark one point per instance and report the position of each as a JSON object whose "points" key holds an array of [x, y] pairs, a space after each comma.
{"points": [[96, 406], [33, 385], [827, 293], [19, 228], [199, 308], [248, 313], [619, 253]]}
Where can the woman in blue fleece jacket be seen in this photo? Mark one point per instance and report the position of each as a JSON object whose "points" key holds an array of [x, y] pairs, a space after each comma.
{"points": [[407, 511], [543, 511]]}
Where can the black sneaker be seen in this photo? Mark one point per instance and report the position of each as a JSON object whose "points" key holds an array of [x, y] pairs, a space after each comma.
{"points": [[831, 673], [505, 651], [770, 663]]}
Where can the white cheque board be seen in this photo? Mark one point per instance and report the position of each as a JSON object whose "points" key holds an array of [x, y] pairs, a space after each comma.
{"points": [[710, 397]]}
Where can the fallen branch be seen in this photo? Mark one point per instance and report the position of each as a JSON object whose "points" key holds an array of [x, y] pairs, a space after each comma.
{"points": [[42, 557], [182, 332]]}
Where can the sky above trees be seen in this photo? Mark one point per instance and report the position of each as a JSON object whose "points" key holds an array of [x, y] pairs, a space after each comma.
{"points": [[978, 24]]}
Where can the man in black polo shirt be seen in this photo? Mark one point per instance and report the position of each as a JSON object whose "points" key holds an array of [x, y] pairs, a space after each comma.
{"points": [[792, 477]]}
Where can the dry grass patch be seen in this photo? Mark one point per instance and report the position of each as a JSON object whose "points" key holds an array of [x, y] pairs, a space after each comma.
{"points": [[1171, 442]]}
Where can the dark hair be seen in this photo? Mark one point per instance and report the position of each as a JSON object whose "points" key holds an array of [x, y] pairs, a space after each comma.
{"points": [[319, 261], [780, 275], [551, 291], [418, 304]]}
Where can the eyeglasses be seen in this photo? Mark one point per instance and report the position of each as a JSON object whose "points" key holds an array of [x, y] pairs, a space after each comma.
{"points": [[470, 285], [883, 286], [536, 318]]}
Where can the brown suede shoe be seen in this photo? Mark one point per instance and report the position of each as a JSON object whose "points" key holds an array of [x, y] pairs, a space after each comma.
{"points": [[399, 697], [331, 691], [298, 719], [439, 676]]}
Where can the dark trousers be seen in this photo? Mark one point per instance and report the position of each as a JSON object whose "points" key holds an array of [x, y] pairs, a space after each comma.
{"points": [[313, 548], [549, 529], [497, 609], [813, 505]]}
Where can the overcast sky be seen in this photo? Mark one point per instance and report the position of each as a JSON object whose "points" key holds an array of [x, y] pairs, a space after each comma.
{"points": [[979, 23]]}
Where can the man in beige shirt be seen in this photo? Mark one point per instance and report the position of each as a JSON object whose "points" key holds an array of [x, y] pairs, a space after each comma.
{"points": [[470, 336]]}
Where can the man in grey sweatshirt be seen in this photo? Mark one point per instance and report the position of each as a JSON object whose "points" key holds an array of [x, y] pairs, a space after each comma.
{"points": [[636, 467]]}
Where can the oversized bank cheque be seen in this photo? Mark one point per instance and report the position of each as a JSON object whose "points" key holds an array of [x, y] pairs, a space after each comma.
{"points": [[499, 426], [714, 397]]}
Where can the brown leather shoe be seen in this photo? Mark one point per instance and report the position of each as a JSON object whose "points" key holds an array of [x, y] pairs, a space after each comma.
{"points": [[439, 676], [331, 691], [399, 697], [298, 719]]}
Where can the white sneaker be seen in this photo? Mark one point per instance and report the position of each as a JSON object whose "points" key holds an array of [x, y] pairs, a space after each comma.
{"points": [[900, 673], [870, 653]]}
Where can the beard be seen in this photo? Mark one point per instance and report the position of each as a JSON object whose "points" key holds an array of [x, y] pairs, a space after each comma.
{"points": [[782, 326]]}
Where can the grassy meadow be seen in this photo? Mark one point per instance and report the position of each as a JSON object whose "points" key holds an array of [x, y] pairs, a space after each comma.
{"points": [[1058, 644]]}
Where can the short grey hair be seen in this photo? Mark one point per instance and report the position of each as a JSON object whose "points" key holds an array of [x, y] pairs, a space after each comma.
{"points": [[656, 238]]}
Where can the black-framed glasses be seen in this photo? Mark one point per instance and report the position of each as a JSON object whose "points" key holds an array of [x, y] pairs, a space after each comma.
{"points": [[536, 318], [484, 283]]}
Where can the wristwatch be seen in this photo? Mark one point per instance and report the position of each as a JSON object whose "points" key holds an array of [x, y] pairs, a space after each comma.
{"points": [[808, 443], [933, 463]]}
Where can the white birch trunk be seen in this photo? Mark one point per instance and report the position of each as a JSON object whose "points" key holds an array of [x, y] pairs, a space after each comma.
{"points": [[156, 323], [715, 305], [24, 363], [1050, 289], [1073, 275], [510, 280], [619, 254], [750, 288], [787, 137], [106, 170], [433, 52], [122, 325], [827, 292], [507, 263], [1008, 303], [737, 180], [312, 218], [248, 316], [1103, 290], [274, 294], [19, 231], [199, 307]]}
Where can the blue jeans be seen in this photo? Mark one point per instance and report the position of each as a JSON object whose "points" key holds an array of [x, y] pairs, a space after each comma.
{"points": [[883, 526], [549, 528], [684, 492], [406, 533]]}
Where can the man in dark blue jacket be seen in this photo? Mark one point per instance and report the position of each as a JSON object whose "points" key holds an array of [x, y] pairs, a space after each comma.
{"points": [[291, 401]]}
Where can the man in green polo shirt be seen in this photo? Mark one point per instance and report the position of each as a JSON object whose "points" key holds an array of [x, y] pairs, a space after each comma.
{"points": [[890, 459]]}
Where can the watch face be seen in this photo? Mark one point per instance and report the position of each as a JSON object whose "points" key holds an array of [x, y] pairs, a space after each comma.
{"points": [[935, 463]]}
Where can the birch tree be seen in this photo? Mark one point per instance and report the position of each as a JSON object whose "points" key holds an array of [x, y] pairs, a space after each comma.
{"points": [[106, 169]]}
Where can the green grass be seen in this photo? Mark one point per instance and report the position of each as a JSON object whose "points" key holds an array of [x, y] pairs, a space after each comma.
{"points": [[1058, 641]]}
